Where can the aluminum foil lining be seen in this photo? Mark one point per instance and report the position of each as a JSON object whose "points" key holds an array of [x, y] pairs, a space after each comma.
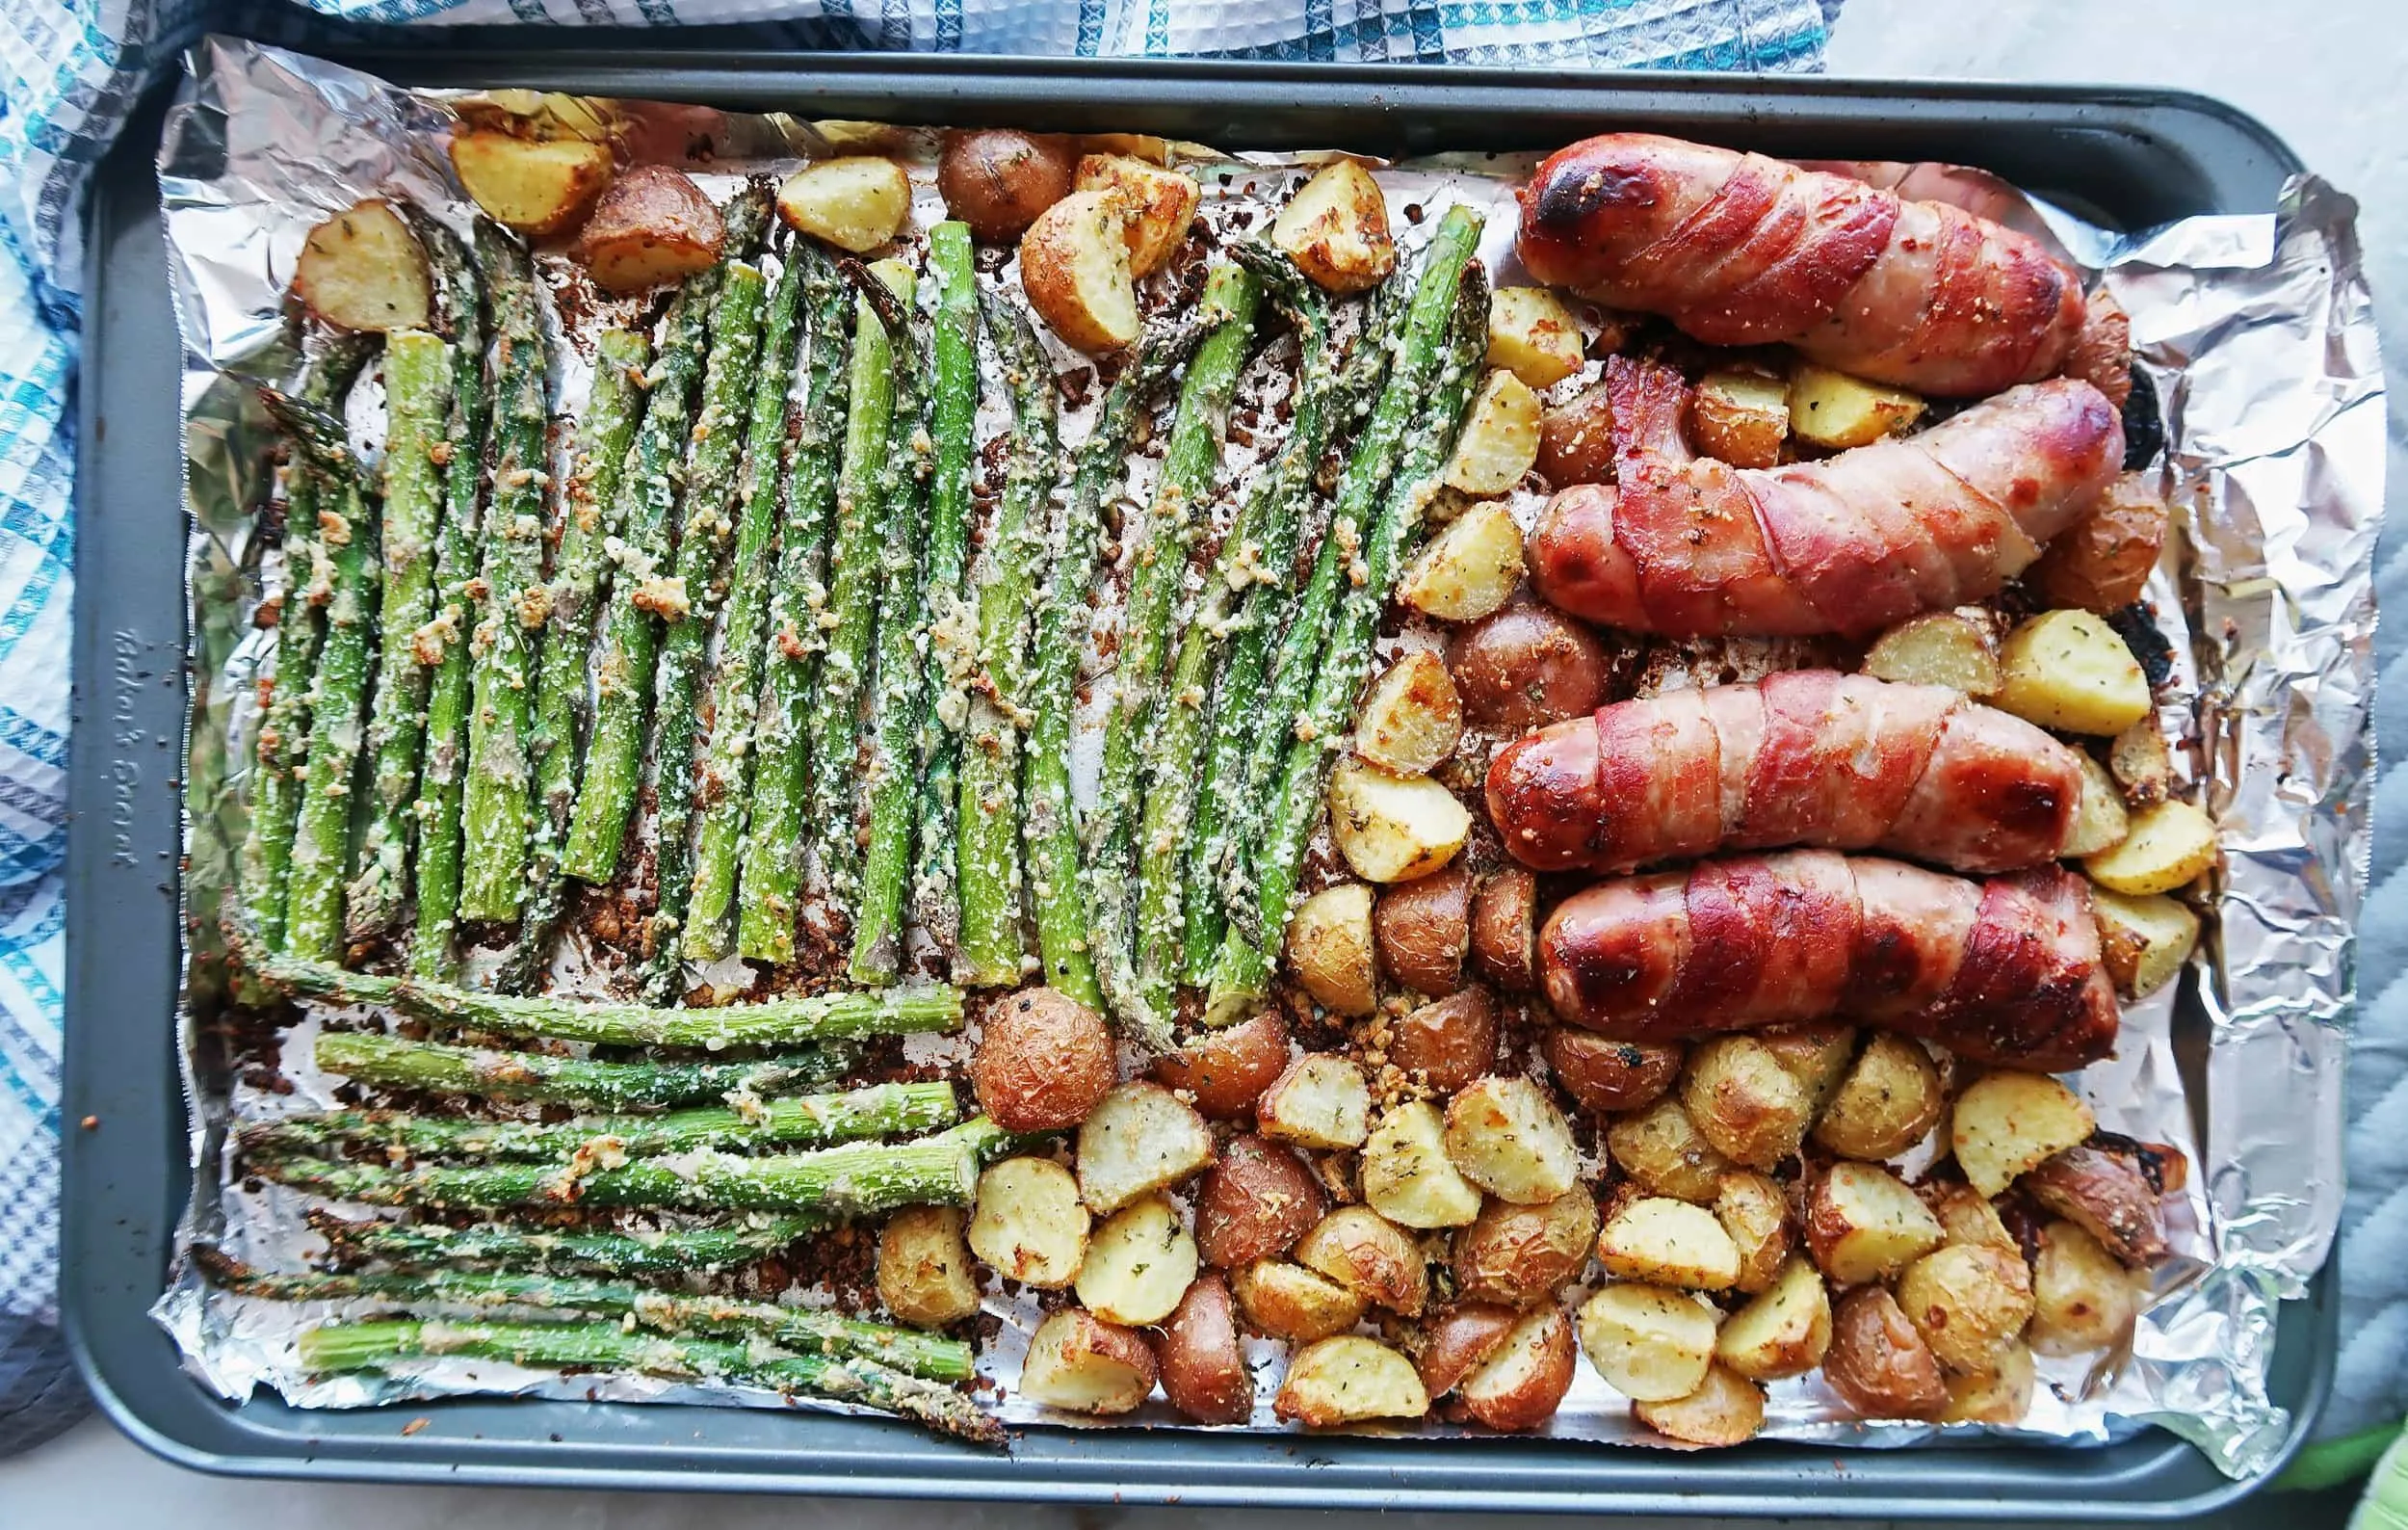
{"points": [[2258, 334]]}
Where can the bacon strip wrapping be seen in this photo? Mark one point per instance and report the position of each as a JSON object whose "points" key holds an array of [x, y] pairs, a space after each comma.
{"points": [[1804, 757], [2004, 971], [1737, 248], [1688, 546]]}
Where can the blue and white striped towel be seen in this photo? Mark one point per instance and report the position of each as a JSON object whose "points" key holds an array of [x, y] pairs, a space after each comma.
{"points": [[69, 72]]}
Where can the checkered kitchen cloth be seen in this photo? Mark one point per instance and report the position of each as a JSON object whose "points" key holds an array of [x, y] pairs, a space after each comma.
{"points": [[73, 69]]}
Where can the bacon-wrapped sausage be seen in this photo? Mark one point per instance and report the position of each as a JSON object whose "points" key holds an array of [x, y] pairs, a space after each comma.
{"points": [[1741, 250], [2002, 971], [1692, 547], [1804, 757]]}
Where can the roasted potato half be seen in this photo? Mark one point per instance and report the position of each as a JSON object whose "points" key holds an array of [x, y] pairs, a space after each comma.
{"points": [[1661, 1147], [2108, 1196], [1393, 828], [1523, 1255], [1969, 1301], [1603, 1076], [2083, 1299], [1290, 1302], [1832, 409], [1784, 1332], [1526, 665], [538, 186], [1408, 1176], [998, 180], [2104, 561], [2005, 1122], [1335, 229], [1423, 929], [1755, 1211], [1079, 1362], [2141, 764], [1470, 568], [1460, 1340], [1141, 1137], [1498, 445], [2100, 819], [1939, 647], [1028, 1222], [2069, 669], [1321, 1101], [652, 227], [1816, 1053], [2001, 1395], [1750, 1108], [1137, 1264], [1203, 1368], [1740, 417], [1660, 1241], [1651, 1344], [855, 203], [1505, 930], [1967, 1216], [1411, 718], [1044, 1061], [1371, 1257], [1864, 1223], [1576, 439], [1726, 1409], [2170, 845], [1161, 204], [1532, 335], [1889, 1101], [1254, 1203], [1347, 1379], [363, 269], [1074, 266], [1879, 1363], [1522, 1384], [1224, 1072], [924, 1267], [1447, 1042], [1506, 1136], [1331, 949]]}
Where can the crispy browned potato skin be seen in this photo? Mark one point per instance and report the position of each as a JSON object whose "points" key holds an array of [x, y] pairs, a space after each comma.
{"points": [[2108, 1196], [2103, 562], [1605, 1075], [651, 225], [1203, 1371], [1255, 1202], [1423, 930], [1459, 1341], [1505, 930], [1523, 1383], [1449, 1041], [1043, 1062], [1525, 666], [1224, 1072], [1877, 1364], [1576, 439], [1522, 1256], [997, 180]]}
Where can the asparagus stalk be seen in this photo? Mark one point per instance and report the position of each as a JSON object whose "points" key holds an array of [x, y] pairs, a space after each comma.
{"points": [[1159, 569], [774, 823], [313, 920], [797, 1329], [856, 1179], [417, 391], [445, 636], [494, 811], [952, 419], [392, 1062], [283, 741], [881, 1110], [631, 623], [723, 771], [1242, 973], [901, 699], [687, 610], [351, 1346], [851, 616], [669, 1253], [1063, 621], [580, 569], [991, 952]]}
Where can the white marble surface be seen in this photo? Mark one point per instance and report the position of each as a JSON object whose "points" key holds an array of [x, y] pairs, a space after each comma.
{"points": [[2328, 78]]}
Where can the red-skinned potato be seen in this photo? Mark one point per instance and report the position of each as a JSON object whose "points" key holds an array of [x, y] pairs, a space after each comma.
{"points": [[1527, 664], [1255, 1202], [1203, 1371], [1523, 1383], [1459, 1341], [1423, 930], [997, 180], [1877, 1364], [1523, 1255], [2108, 1196], [1447, 1041], [1043, 1062], [650, 227], [1505, 930], [1575, 440], [1370, 1256], [1603, 1075], [2103, 561], [1727, 1408], [1224, 1072], [1080, 1362]]}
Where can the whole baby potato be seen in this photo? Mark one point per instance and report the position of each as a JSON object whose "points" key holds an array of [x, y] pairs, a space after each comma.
{"points": [[1527, 664], [1224, 1072], [997, 180], [1043, 1061]]}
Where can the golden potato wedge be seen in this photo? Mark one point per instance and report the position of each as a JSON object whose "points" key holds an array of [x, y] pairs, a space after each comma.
{"points": [[1027, 1222], [1161, 204], [1740, 417], [1751, 1109], [1661, 1149], [997, 180], [1447, 1042], [1223, 1073], [2083, 1299], [1816, 1053], [924, 1267], [1649, 1343], [1137, 1264], [1469, 569], [2141, 764], [363, 269], [538, 186], [1074, 266], [1604, 1076], [1576, 438], [1661, 1240], [1832, 409], [1938, 648], [2070, 670], [2099, 821], [2169, 846], [1203, 1367], [1346, 1379], [1522, 1256], [1320, 1101], [2103, 561], [1505, 930], [1141, 1137], [1423, 929], [1371, 1257], [1335, 229], [1784, 1332], [855, 203], [651, 227], [1254, 1203], [2001, 1395], [1330, 949], [1459, 1341], [1889, 1101], [1755, 1211], [1523, 1383], [1532, 335], [1393, 828], [2144, 942], [1080, 1362], [1879, 1363], [1408, 1176], [1043, 1061], [1498, 441], [1290, 1302], [1412, 718], [1969, 1301], [1967, 1217], [1727, 1408], [2005, 1122], [1864, 1223], [2107, 1194], [1506, 1137]]}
